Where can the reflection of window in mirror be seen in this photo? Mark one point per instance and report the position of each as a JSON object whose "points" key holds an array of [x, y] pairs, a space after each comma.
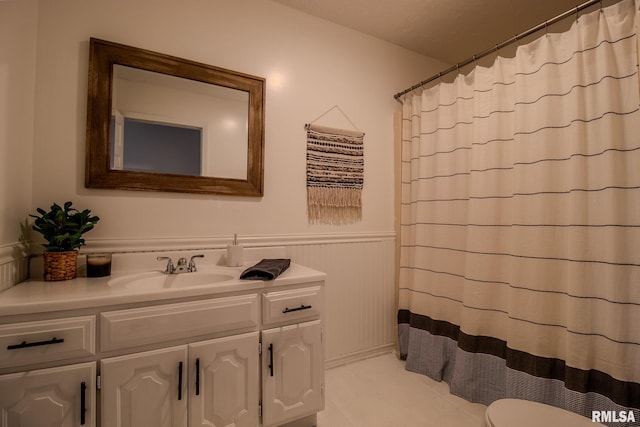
{"points": [[156, 147]]}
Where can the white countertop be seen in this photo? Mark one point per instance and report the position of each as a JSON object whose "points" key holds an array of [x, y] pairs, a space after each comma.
{"points": [[36, 296]]}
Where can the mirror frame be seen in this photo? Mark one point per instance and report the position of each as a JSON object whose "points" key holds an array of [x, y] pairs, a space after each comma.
{"points": [[103, 55]]}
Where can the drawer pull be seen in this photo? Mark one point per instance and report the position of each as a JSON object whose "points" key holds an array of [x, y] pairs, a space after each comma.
{"points": [[270, 359], [302, 307], [180, 381], [198, 376], [25, 344], [83, 402]]}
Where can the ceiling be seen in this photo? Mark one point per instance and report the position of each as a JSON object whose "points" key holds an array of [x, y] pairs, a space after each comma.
{"points": [[448, 30]]}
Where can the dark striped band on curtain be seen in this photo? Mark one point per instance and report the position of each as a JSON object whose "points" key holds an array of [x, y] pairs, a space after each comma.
{"points": [[623, 393]]}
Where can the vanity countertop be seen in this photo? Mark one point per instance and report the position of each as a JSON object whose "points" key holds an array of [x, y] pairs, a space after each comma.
{"points": [[36, 296]]}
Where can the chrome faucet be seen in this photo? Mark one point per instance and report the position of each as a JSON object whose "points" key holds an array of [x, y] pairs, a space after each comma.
{"points": [[182, 266], [170, 268], [192, 264]]}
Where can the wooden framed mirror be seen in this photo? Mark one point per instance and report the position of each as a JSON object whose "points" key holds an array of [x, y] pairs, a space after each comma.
{"points": [[156, 122]]}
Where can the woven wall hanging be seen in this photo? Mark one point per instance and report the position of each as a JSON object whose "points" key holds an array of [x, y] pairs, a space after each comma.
{"points": [[335, 175]]}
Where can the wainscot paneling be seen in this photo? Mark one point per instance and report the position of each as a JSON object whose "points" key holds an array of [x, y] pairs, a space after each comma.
{"points": [[360, 314], [14, 263]]}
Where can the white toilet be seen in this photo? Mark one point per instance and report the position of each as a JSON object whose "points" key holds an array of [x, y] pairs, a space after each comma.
{"points": [[523, 413]]}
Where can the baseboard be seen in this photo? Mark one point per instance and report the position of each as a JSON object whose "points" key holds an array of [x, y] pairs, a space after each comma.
{"points": [[359, 355]]}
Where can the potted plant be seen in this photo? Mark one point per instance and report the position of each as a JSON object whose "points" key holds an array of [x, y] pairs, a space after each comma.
{"points": [[62, 228]]}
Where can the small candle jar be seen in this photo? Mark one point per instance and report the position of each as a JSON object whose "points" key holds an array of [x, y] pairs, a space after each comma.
{"points": [[98, 265]]}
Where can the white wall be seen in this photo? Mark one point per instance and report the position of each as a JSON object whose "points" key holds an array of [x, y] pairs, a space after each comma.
{"points": [[310, 65], [18, 21], [17, 71]]}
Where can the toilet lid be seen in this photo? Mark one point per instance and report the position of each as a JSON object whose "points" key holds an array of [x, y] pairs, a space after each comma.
{"points": [[523, 413]]}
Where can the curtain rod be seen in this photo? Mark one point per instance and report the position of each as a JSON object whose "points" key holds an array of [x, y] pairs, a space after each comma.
{"points": [[576, 10]]}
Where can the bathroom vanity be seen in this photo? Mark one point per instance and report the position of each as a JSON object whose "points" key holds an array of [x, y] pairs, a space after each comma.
{"points": [[141, 348]]}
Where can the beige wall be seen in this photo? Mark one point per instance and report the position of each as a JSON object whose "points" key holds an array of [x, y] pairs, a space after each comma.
{"points": [[310, 65], [18, 21]]}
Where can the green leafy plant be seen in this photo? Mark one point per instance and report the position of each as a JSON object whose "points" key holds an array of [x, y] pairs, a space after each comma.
{"points": [[63, 227]]}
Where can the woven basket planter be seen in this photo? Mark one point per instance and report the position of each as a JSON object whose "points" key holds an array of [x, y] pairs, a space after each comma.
{"points": [[60, 265]]}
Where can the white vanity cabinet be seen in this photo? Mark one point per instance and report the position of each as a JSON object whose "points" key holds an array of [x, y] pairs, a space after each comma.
{"points": [[145, 389], [224, 379], [292, 372], [246, 355], [208, 383], [57, 397], [203, 383], [292, 355], [216, 383]]}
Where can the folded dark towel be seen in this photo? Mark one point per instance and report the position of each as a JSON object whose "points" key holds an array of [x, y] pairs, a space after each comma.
{"points": [[267, 269]]}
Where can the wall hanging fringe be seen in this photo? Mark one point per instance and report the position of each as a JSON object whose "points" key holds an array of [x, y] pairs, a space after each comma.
{"points": [[335, 175]]}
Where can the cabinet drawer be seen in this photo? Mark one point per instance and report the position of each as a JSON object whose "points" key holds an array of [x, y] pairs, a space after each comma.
{"points": [[45, 341], [148, 325], [291, 305]]}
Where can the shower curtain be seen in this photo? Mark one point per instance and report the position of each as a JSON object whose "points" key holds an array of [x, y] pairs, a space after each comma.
{"points": [[520, 223]]}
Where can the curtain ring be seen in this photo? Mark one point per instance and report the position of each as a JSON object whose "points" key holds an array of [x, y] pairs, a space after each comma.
{"points": [[577, 13], [475, 61], [546, 28]]}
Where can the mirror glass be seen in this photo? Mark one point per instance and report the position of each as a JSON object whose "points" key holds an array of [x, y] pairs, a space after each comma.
{"points": [[160, 123], [168, 124]]}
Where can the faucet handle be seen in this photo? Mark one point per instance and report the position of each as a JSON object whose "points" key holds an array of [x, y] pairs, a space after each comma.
{"points": [[170, 268], [192, 263]]}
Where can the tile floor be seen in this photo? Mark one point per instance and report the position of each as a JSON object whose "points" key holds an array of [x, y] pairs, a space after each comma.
{"points": [[379, 392]]}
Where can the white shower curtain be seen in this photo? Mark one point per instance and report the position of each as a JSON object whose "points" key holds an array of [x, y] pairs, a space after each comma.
{"points": [[520, 228]]}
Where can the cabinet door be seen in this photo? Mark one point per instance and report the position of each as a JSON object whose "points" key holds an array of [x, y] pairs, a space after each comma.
{"points": [[292, 372], [224, 382], [145, 389], [55, 397]]}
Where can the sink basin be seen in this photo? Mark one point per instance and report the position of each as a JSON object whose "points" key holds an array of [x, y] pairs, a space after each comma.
{"points": [[157, 280]]}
